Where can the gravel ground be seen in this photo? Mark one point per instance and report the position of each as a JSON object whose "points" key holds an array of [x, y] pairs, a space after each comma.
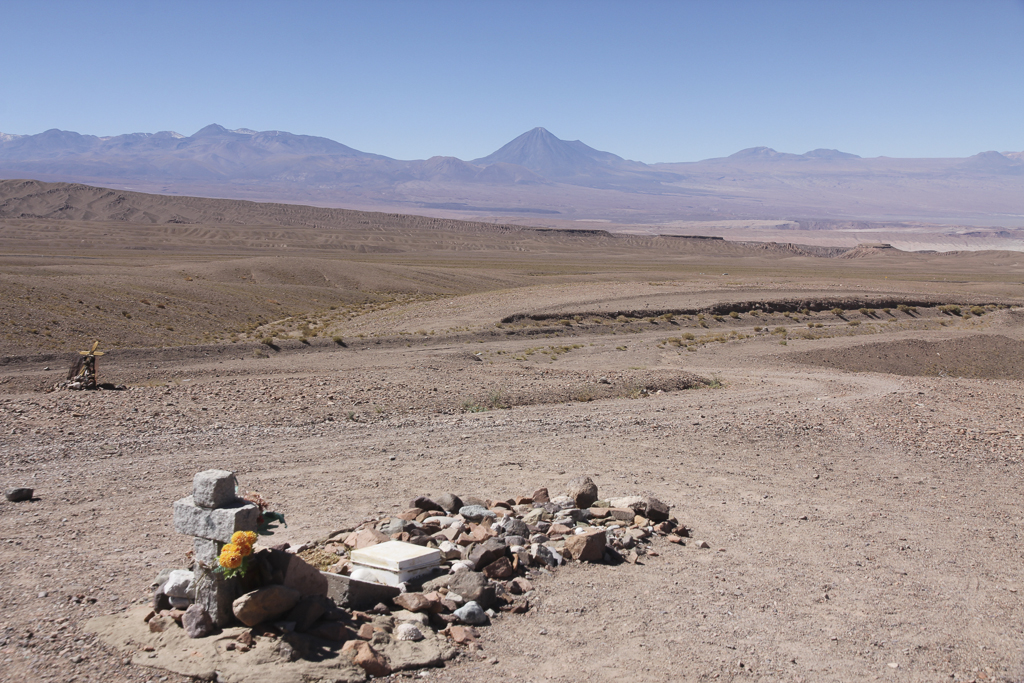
{"points": [[862, 525]]}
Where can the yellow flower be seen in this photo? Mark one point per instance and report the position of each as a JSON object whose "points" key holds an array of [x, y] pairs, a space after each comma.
{"points": [[244, 538], [229, 548], [230, 560]]}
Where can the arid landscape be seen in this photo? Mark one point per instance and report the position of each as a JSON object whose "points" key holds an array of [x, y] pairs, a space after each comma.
{"points": [[841, 422]]}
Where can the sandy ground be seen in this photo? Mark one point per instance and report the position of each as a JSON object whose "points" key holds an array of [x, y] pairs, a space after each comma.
{"points": [[862, 524]]}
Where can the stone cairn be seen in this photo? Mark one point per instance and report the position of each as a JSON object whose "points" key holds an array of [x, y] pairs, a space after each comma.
{"points": [[211, 514], [490, 552]]}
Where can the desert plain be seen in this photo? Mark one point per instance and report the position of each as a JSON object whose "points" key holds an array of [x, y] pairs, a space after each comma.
{"points": [[842, 426]]}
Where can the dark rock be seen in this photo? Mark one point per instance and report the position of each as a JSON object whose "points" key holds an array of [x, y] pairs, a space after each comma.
{"points": [[515, 540], [487, 552], [160, 600], [541, 496], [472, 586], [292, 571], [197, 622], [425, 504], [583, 491], [307, 611], [514, 526], [448, 502], [499, 569], [19, 494], [654, 510], [353, 594]]}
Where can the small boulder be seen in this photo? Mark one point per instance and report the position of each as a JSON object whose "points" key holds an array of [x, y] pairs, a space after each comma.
{"points": [[197, 622], [513, 526], [371, 661], [265, 604], [472, 586], [414, 602], [475, 513], [653, 509], [471, 613], [487, 552], [448, 502], [425, 504], [587, 547], [499, 569], [541, 496], [180, 583], [18, 494]]}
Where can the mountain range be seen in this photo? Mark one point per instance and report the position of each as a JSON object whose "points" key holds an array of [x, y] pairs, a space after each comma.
{"points": [[535, 174]]}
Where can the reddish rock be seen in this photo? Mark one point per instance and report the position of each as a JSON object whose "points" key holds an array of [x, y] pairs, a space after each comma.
{"points": [[410, 514], [524, 500], [583, 491], [518, 607], [588, 547], [623, 514], [519, 585], [365, 631], [558, 530], [499, 569], [369, 659], [364, 538], [663, 528], [600, 513], [414, 602], [160, 623], [463, 634], [672, 538], [541, 496]]}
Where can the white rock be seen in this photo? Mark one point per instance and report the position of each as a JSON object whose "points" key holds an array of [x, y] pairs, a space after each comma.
{"points": [[461, 566], [449, 550], [408, 631], [180, 584]]}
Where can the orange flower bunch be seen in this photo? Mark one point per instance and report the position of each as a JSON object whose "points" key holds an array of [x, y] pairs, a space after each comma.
{"points": [[233, 555]]}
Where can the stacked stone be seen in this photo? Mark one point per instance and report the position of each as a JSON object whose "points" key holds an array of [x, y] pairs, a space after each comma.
{"points": [[211, 515]]}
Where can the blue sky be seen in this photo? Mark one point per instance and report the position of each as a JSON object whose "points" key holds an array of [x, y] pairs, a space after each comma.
{"points": [[652, 81]]}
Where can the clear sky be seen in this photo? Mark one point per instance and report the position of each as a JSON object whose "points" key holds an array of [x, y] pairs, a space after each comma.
{"points": [[652, 81]]}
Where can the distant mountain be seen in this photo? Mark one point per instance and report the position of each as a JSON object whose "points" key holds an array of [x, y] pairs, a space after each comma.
{"points": [[828, 154], [992, 162], [536, 174], [543, 153], [769, 154]]}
